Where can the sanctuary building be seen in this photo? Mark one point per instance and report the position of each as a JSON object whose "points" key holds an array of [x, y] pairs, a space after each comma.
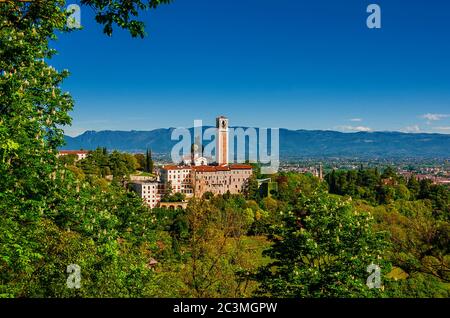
{"points": [[195, 176]]}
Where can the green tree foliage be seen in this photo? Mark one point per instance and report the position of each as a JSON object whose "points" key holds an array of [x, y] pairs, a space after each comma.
{"points": [[69, 160], [418, 286], [323, 252], [439, 195], [420, 242], [361, 184], [176, 197], [50, 218], [100, 164], [140, 159], [208, 195], [378, 189], [32, 106], [291, 185], [414, 188], [389, 173], [149, 161], [122, 165], [252, 189], [416, 215], [216, 251], [122, 14]]}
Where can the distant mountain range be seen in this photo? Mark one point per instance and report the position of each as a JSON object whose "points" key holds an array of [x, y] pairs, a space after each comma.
{"points": [[293, 143]]}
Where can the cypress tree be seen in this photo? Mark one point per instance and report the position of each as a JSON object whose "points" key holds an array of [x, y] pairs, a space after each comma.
{"points": [[148, 161]]}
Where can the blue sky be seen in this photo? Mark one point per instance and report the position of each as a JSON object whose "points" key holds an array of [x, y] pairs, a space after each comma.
{"points": [[264, 63]]}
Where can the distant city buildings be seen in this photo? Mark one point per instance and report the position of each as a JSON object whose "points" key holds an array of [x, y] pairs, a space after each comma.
{"points": [[437, 176]]}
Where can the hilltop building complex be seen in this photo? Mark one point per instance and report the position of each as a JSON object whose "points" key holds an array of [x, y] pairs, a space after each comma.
{"points": [[195, 176]]}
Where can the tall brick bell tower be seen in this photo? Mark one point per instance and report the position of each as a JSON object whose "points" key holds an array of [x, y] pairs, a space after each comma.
{"points": [[222, 140]]}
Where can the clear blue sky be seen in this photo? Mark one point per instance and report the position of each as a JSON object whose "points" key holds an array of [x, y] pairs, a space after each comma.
{"points": [[286, 63]]}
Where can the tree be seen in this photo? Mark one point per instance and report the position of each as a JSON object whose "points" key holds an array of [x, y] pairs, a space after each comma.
{"points": [[98, 162], [322, 252], [119, 168], [389, 172], [252, 189], [414, 187], [130, 162], [290, 185], [32, 108], [420, 243], [148, 161], [140, 158], [122, 13], [208, 195], [51, 218], [68, 160], [216, 251], [176, 197]]}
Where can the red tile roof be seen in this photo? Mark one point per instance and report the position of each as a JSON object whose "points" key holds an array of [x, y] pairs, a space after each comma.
{"points": [[209, 168], [222, 168], [173, 167], [73, 152], [240, 167]]}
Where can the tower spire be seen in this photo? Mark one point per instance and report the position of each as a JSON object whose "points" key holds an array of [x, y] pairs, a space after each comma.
{"points": [[222, 140]]}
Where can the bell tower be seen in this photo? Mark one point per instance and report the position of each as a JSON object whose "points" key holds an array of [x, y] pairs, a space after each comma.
{"points": [[222, 140]]}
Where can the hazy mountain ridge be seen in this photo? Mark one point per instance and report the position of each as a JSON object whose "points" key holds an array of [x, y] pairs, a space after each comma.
{"points": [[293, 143]]}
